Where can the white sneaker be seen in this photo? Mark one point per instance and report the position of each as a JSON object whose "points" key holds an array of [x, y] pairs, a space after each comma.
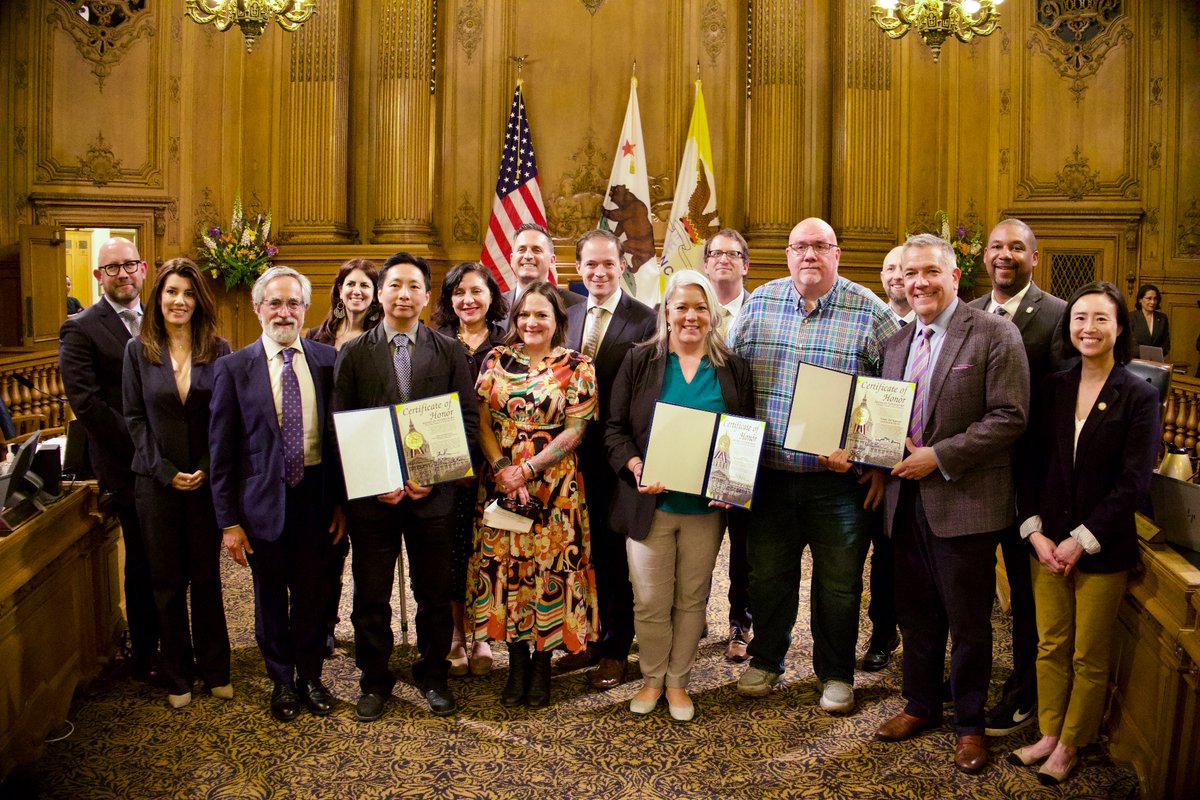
{"points": [[757, 682], [837, 697]]}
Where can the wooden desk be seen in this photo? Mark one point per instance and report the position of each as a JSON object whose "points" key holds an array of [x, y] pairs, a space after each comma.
{"points": [[60, 618], [1154, 719]]}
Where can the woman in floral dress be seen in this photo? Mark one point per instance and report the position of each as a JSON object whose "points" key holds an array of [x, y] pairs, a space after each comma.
{"points": [[535, 589]]}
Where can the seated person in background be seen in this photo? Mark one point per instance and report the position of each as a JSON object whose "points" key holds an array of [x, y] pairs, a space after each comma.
{"points": [[73, 304]]}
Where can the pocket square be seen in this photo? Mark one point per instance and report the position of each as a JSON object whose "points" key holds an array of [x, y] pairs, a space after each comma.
{"points": [[960, 367]]}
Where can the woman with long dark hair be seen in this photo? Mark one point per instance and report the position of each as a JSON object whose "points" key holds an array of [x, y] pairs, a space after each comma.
{"points": [[168, 385], [471, 309]]}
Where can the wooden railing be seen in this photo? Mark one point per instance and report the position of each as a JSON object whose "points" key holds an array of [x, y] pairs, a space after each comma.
{"points": [[40, 369], [1181, 420]]}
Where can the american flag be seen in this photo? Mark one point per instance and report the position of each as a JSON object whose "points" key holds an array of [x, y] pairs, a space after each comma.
{"points": [[518, 195]]}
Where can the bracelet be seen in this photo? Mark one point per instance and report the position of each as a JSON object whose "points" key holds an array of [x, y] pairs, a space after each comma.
{"points": [[532, 473], [500, 463]]}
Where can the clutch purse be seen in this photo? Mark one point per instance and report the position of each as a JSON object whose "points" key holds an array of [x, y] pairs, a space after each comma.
{"points": [[532, 509]]}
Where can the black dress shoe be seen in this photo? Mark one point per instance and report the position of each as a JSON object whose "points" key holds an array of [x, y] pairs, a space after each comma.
{"points": [[285, 705], [441, 701], [879, 655], [370, 706], [315, 697]]}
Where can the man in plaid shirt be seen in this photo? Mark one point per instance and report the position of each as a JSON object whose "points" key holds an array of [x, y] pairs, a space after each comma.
{"points": [[820, 318]]}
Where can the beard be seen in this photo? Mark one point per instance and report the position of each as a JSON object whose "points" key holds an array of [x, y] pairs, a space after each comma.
{"points": [[281, 332]]}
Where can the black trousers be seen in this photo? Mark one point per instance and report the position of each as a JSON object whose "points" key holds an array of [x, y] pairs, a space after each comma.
{"points": [[614, 592], [290, 586], [1020, 689], [333, 583], [944, 586], [140, 610], [881, 610], [184, 546], [376, 546], [739, 570]]}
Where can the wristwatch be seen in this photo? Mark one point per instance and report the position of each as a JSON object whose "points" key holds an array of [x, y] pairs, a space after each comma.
{"points": [[500, 463]]}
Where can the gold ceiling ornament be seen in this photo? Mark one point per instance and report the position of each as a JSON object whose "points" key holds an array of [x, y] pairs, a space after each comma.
{"points": [[935, 21], [251, 16]]}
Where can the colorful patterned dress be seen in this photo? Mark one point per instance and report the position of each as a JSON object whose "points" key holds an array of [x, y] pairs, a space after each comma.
{"points": [[539, 586]]}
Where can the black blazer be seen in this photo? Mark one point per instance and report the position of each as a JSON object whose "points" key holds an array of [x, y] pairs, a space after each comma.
{"points": [[475, 360], [365, 377], [1108, 476], [627, 432], [1141, 332], [91, 357], [169, 435]]}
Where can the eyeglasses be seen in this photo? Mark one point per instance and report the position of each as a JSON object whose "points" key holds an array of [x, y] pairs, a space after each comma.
{"points": [[818, 248], [276, 303], [114, 269], [732, 255]]}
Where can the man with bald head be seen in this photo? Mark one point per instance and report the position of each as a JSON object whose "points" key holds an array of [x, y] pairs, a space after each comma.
{"points": [[818, 317], [91, 357], [1010, 256], [531, 258]]}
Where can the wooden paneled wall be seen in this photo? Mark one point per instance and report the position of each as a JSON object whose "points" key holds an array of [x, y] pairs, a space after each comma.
{"points": [[378, 127]]}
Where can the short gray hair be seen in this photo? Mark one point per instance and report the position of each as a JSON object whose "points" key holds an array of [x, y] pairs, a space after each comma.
{"points": [[945, 249], [260, 286], [714, 346]]}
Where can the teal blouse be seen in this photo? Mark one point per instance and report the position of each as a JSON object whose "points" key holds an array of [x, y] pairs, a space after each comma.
{"points": [[704, 392]]}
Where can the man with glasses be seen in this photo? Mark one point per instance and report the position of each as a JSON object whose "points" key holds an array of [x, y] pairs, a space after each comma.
{"points": [[820, 318], [91, 357], [726, 263]]}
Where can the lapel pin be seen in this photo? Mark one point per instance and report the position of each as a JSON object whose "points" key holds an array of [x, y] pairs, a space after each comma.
{"points": [[1102, 406], [1029, 310]]}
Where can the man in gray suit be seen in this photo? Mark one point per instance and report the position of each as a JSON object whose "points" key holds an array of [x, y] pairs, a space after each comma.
{"points": [[1010, 256], [952, 494], [531, 258]]}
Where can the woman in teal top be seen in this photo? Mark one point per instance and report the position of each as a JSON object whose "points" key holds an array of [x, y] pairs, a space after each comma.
{"points": [[672, 538]]}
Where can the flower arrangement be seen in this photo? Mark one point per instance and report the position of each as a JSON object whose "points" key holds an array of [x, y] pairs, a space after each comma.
{"points": [[967, 244], [240, 254]]}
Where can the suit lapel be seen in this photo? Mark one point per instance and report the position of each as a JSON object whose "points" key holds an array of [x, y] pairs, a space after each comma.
{"points": [[1028, 308], [897, 353], [575, 317], [956, 335], [424, 359], [112, 322], [1106, 401], [258, 379], [615, 325], [381, 361], [1064, 412]]}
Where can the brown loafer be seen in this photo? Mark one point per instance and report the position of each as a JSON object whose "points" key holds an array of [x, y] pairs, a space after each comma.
{"points": [[971, 753], [573, 661], [610, 672], [904, 726]]}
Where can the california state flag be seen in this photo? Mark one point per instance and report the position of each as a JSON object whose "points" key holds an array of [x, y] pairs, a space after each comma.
{"points": [[626, 207], [694, 210]]}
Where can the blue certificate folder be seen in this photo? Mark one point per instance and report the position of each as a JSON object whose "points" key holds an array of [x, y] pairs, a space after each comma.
{"points": [[704, 453], [865, 415]]}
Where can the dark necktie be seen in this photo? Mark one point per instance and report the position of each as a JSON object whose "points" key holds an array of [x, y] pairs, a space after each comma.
{"points": [[1000, 312], [292, 426], [920, 375], [402, 361]]}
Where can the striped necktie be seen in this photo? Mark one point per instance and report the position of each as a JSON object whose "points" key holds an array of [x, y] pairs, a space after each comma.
{"points": [[592, 343], [920, 375], [292, 426]]}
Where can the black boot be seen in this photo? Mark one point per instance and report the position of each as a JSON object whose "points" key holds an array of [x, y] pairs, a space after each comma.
{"points": [[539, 682], [517, 686]]}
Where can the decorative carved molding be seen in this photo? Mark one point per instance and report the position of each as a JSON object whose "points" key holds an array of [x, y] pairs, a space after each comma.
{"points": [[406, 28], [21, 205], [177, 28], [1188, 242], [1005, 157], [1152, 220], [1156, 27], [777, 59], [1005, 42], [466, 222], [173, 149], [204, 215], [103, 30], [1005, 101], [1077, 36], [1075, 179], [592, 6], [1155, 154], [176, 91], [1156, 90], [1132, 229], [574, 207], [662, 195], [173, 219], [469, 26], [868, 55], [99, 165], [19, 140], [712, 30], [21, 75]]}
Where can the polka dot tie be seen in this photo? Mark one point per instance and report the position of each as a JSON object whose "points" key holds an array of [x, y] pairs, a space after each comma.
{"points": [[292, 427], [402, 360]]}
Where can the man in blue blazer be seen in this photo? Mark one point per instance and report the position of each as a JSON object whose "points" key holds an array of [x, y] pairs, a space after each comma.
{"points": [[272, 471], [604, 328], [400, 360], [91, 357]]}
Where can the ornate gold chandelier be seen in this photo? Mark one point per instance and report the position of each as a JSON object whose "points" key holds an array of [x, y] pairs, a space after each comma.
{"points": [[937, 20], [252, 16]]}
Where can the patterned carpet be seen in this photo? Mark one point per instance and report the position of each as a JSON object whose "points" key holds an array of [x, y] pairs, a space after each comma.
{"points": [[128, 744]]}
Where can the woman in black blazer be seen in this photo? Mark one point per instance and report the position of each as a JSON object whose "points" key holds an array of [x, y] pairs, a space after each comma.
{"points": [[672, 539], [1148, 325], [1098, 428], [168, 384]]}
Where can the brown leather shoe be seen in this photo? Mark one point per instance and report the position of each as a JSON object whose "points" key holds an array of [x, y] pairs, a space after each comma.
{"points": [[735, 651], [573, 661], [971, 753], [904, 726], [608, 673]]}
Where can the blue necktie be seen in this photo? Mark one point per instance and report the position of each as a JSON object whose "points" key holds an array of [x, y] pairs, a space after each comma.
{"points": [[292, 427], [402, 361]]}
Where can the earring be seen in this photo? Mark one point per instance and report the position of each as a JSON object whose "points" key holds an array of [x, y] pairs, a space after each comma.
{"points": [[339, 311]]}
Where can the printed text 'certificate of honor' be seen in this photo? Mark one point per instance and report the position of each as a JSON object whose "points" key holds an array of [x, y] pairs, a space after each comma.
{"points": [[433, 441]]}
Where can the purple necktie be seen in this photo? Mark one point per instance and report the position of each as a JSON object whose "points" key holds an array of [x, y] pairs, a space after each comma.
{"points": [[920, 375], [402, 361], [292, 427]]}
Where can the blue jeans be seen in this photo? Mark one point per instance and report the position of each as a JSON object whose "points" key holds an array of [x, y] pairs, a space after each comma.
{"points": [[822, 511]]}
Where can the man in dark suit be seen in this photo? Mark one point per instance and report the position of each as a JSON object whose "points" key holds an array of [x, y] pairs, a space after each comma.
{"points": [[91, 357], [604, 328], [274, 473], [531, 258], [1010, 256], [952, 494], [400, 360]]}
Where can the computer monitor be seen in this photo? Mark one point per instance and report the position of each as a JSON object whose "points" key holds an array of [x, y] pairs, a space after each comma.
{"points": [[19, 487]]}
